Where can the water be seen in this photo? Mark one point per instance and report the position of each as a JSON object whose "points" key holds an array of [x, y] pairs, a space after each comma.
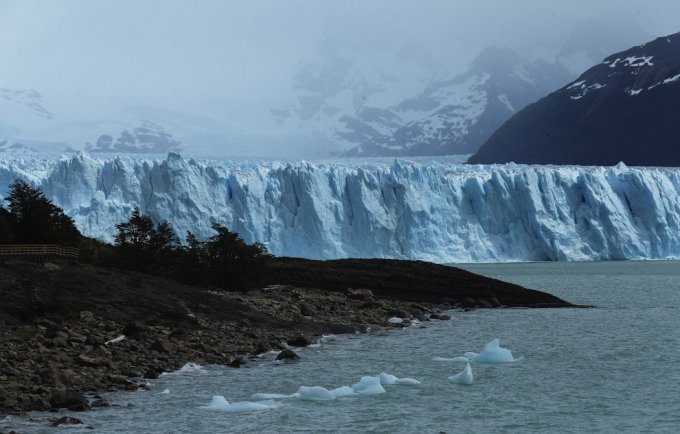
{"points": [[609, 369]]}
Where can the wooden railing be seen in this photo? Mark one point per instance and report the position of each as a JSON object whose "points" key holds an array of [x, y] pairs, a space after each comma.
{"points": [[39, 252]]}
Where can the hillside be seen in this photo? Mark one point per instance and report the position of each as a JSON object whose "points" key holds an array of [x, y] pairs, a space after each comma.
{"points": [[620, 110]]}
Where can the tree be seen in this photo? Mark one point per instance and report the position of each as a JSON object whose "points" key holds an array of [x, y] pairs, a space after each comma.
{"points": [[36, 219], [143, 246], [234, 263], [136, 232]]}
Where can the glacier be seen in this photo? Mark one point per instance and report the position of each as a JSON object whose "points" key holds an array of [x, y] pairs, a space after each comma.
{"points": [[438, 211]]}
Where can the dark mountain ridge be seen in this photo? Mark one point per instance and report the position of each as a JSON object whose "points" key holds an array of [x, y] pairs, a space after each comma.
{"points": [[622, 109]]}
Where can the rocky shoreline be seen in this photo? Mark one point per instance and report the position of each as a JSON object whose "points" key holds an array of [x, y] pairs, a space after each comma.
{"points": [[71, 329]]}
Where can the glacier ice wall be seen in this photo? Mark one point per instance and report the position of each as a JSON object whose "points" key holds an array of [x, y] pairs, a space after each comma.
{"points": [[441, 212]]}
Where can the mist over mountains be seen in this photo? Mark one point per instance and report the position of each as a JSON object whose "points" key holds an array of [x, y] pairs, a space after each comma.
{"points": [[350, 96]]}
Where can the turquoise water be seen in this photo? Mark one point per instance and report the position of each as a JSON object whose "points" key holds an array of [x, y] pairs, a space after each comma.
{"points": [[614, 368]]}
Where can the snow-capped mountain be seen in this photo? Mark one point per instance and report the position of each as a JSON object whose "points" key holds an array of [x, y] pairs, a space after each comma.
{"points": [[454, 116], [434, 211], [148, 138], [623, 109], [346, 74], [591, 41], [18, 109], [29, 101]]}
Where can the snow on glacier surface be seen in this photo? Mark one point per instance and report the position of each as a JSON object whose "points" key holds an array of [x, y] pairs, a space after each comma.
{"points": [[436, 211]]}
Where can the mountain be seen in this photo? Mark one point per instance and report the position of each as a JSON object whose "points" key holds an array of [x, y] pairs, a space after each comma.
{"points": [[439, 212], [592, 40], [347, 73], [149, 138], [623, 109], [454, 116]]}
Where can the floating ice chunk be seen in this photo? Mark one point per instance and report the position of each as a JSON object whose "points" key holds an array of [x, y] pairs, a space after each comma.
{"points": [[368, 386], [389, 379], [165, 392], [470, 355], [386, 379], [395, 320], [494, 353], [315, 393], [408, 381], [464, 376], [264, 396], [343, 391], [219, 403], [451, 359]]}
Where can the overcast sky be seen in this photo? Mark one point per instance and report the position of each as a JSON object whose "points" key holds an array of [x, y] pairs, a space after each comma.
{"points": [[157, 51]]}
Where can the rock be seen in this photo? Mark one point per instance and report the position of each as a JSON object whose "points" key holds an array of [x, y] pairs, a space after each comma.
{"points": [[287, 355], [440, 317], [95, 340], [163, 346], [484, 304], [50, 266], [98, 403], [373, 304], [360, 294], [57, 378], [153, 372], [262, 347], [468, 302], [70, 399], [306, 309], [87, 360], [67, 420], [134, 329], [298, 341], [237, 362], [86, 316], [400, 313]]}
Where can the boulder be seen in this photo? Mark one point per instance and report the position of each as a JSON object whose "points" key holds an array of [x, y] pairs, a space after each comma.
{"points": [[86, 316], [360, 294], [134, 329], [163, 346], [70, 399], [298, 341], [67, 420], [287, 355]]}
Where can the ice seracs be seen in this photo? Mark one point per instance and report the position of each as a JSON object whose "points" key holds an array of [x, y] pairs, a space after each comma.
{"points": [[409, 210], [463, 377]]}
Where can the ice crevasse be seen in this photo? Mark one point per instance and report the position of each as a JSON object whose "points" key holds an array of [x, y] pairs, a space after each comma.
{"points": [[436, 211]]}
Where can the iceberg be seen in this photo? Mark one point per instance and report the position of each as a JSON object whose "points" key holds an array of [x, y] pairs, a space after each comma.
{"points": [[452, 359], [343, 391], [389, 379], [399, 209], [219, 403], [266, 396], [463, 377], [494, 353], [314, 393], [368, 386]]}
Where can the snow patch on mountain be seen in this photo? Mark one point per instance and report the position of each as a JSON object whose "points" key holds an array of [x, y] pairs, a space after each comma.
{"points": [[442, 212]]}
